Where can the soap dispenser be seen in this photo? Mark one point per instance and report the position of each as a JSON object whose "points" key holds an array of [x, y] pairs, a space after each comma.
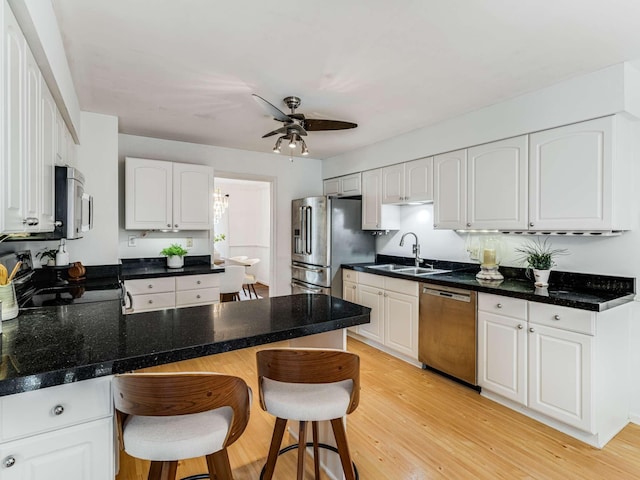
{"points": [[62, 257]]}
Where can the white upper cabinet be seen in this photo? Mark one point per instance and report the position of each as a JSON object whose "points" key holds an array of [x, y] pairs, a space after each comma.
{"points": [[192, 196], [375, 215], [408, 182], [497, 185], [163, 195], [450, 190], [347, 185], [572, 173], [27, 137]]}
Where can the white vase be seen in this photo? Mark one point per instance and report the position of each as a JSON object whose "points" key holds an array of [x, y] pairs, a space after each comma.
{"points": [[175, 261], [541, 277]]}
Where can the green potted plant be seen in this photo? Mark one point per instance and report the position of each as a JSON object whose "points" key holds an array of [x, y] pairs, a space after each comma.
{"points": [[540, 257], [47, 256], [174, 254]]}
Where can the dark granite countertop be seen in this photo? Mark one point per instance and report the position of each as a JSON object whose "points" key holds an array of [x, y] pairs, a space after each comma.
{"points": [[583, 291], [134, 268], [50, 346]]}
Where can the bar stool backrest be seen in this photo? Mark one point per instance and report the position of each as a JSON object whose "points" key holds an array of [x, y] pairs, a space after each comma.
{"points": [[302, 365]]}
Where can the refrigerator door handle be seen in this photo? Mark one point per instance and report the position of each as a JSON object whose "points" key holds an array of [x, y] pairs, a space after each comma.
{"points": [[303, 229], [308, 230], [307, 269]]}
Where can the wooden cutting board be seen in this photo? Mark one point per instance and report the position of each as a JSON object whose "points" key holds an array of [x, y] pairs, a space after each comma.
{"points": [[3, 275]]}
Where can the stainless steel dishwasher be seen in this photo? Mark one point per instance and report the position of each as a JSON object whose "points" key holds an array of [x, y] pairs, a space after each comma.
{"points": [[448, 331]]}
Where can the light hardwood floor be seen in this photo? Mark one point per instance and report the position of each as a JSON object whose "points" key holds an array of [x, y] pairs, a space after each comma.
{"points": [[413, 424]]}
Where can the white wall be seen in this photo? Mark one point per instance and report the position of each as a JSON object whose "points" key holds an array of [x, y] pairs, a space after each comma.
{"points": [[291, 180], [612, 90]]}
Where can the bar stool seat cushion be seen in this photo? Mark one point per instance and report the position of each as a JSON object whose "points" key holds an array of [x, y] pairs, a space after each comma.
{"points": [[177, 437], [307, 401]]}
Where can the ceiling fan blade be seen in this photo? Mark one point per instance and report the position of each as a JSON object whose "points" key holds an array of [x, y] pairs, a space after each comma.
{"points": [[297, 116], [272, 110], [311, 124], [282, 130]]}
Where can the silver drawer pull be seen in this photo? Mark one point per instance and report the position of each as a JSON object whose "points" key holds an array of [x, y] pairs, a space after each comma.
{"points": [[379, 293], [198, 282], [520, 327], [556, 317], [58, 410], [532, 330], [9, 462], [197, 296], [150, 285], [150, 301], [499, 305]]}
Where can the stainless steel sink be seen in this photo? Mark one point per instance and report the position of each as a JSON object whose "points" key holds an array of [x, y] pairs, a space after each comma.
{"points": [[389, 267], [432, 271]]}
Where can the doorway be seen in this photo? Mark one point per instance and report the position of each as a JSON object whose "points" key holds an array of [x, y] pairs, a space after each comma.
{"points": [[245, 228]]}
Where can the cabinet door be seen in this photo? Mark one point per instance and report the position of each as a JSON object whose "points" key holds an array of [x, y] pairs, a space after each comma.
{"points": [[32, 165], [148, 194], [14, 126], [350, 294], [401, 323], [393, 184], [497, 185], [372, 297], [331, 187], [560, 375], [450, 190], [570, 175], [350, 184], [81, 452], [61, 143], [502, 356], [192, 196], [418, 180], [371, 199], [49, 112]]}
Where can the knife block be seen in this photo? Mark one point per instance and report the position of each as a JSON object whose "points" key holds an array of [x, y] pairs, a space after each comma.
{"points": [[9, 302]]}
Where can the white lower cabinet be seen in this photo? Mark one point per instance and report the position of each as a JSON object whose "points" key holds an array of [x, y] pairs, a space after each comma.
{"points": [[58, 433], [149, 294], [394, 312], [350, 290], [567, 367]]}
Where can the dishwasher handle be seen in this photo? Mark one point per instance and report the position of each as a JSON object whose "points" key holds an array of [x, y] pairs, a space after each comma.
{"points": [[460, 297]]}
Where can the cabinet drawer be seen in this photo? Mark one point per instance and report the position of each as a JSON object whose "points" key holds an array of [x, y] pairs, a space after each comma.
{"points": [[371, 280], [565, 318], [191, 282], [510, 307], [150, 285], [201, 296], [407, 287], [153, 301], [350, 275], [79, 402]]}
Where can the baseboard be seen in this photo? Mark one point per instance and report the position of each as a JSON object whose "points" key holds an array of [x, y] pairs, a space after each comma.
{"points": [[634, 418]]}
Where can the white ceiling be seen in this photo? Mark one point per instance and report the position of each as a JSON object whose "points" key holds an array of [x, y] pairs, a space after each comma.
{"points": [[186, 69]]}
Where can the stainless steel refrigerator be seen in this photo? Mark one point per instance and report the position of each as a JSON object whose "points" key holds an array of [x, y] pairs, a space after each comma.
{"points": [[326, 232]]}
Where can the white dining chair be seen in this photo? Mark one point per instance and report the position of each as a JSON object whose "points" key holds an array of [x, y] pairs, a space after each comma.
{"points": [[232, 280], [250, 280]]}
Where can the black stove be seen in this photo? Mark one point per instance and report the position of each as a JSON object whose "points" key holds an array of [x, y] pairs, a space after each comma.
{"points": [[44, 288]]}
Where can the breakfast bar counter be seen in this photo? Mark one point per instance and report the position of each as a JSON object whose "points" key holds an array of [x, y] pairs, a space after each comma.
{"points": [[51, 346]]}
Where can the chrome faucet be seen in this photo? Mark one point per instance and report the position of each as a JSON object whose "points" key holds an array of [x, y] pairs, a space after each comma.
{"points": [[416, 247]]}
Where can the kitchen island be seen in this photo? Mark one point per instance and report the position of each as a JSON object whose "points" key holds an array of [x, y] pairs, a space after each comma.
{"points": [[56, 413]]}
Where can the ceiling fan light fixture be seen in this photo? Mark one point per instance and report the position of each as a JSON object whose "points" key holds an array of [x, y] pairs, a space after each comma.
{"points": [[305, 150], [292, 141], [276, 147]]}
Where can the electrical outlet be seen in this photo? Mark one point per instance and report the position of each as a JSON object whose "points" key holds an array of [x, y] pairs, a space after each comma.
{"points": [[189, 242], [133, 241]]}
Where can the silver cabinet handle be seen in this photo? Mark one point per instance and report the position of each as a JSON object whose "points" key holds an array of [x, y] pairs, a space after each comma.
{"points": [[197, 296], [468, 224], [531, 330], [198, 282], [175, 225], [168, 224], [386, 295], [30, 221], [379, 293], [150, 285], [150, 301], [499, 305], [520, 326], [531, 224], [8, 462], [354, 287], [556, 317], [58, 410]]}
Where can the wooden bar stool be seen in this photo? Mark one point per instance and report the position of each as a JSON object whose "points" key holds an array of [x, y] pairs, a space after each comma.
{"points": [[308, 385], [166, 417]]}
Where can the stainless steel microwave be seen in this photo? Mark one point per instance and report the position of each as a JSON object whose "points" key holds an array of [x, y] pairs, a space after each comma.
{"points": [[74, 208]]}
